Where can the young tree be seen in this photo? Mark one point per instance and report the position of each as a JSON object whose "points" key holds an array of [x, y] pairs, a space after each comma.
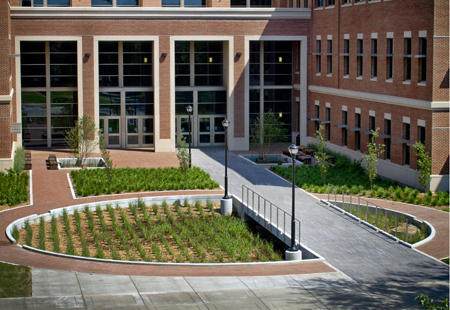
{"points": [[107, 158], [82, 139], [374, 151], [183, 155], [266, 132], [423, 163], [321, 155]]}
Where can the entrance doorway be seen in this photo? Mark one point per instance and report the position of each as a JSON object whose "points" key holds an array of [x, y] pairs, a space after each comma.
{"points": [[210, 130], [110, 129], [139, 131]]}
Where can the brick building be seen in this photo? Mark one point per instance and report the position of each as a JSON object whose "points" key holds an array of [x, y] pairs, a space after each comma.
{"points": [[135, 65]]}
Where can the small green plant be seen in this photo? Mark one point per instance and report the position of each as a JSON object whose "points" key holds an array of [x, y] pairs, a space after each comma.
{"points": [[321, 155], [82, 139], [266, 132], [19, 160], [423, 163], [374, 151], [109, 166], [428, 303], [183, 155]]}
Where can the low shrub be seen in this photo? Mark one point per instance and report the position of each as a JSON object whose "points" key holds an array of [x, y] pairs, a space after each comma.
{"points": [[19, 160], [13, 188]]}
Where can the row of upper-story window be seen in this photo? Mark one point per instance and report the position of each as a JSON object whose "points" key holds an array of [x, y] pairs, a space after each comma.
{"points": [[385, 133], [135, 3], [319, 4], [406, 54]]}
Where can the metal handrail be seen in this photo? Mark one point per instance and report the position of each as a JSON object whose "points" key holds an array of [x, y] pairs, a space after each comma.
{"points": [[269, 215], [373, 212]]}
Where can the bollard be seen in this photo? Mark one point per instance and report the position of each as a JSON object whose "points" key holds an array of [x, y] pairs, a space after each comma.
{"points": [[359, 209], [406, 237], [385, 220]]}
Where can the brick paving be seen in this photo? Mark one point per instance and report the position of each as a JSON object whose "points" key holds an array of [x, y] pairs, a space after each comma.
{"points": [[51, 190], [438, 247]]}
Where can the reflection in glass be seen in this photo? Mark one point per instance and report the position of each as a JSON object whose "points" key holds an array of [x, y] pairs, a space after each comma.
{"points": [[147, 125], [34, 110], [113, 126], [101, 2], [127, 2], [194, 2], [34, 97], [205, 124], [102, 125], [205, 138], [64, 97], [218, 124], [132, 125], [170, 2], [62, 46], [139, 97]]}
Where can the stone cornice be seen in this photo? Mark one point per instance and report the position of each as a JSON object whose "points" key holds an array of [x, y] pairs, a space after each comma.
{"points": [[159, 13]]}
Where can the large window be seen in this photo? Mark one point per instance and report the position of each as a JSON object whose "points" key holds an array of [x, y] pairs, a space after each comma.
{"points": [[318, 56], [49, 91], [387, 140], [374, 59], [251, 3], [390, 59], [114, 2], [38, 3], [407, 60], [329, 57], [271, 80], [359, 58], [422, 59], [346, 57], [199, 63]]}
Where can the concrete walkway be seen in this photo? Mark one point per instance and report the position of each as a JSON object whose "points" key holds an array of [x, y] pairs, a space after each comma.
{"points": [[376, 272]]}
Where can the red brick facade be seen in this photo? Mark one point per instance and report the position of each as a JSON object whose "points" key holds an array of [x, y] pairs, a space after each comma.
{"points": [[380, 20]]}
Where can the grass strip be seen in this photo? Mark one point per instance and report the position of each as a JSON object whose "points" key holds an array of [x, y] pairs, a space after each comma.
{"points": [[15, 281]]}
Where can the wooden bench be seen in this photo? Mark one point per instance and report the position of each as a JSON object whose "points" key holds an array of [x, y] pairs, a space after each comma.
{"points": [[331, 159], [309, 151], [304, 159], [52, 162]]}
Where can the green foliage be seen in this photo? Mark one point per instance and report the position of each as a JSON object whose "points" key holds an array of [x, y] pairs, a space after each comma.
{"points": [[428, 303], [15, 281], [82, 139], [374, 151], [423, 163], [351, 177], [19, 160], [321, 155], [109, 166], [183, 155], [266, 132], [13, 188], [95, 182]]}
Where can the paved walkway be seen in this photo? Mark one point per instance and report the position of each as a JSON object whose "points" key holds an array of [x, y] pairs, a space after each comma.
{"points": [[377, 273]]}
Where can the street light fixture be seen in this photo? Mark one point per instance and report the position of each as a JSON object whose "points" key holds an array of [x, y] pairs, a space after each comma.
{"points": [[293, 253], [189, 110], [226, 205]]}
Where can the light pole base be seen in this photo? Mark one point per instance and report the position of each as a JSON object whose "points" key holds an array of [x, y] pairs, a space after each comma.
{"points": [[226, 206], [293, 255]]}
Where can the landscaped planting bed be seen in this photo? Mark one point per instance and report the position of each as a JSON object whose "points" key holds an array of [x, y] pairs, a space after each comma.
{"points": [[156, 233], [353, 179], [396, 226], [95, 181], [13, 189]]}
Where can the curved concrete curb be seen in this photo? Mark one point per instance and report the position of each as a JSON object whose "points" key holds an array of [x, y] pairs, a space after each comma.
{"points": [[432, 234], [20, 223]]}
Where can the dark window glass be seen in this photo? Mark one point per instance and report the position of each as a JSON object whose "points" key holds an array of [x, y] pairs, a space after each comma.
{"points": [[182, 81], [137, 69], [194, 2], [170, 2], [137, 46], [109, 98], [33, 59], [137, 81], [184, 97], [63, 58], [127, 3], [58, 2], [63, 46], [32, 47], [32, 70], [137, 58], [108, 81], [33, 81], [101, 2], [109, 70], [34, 122], [238, 3], [63, 70], [105, 47], [139, 97], [63, 121], [38, 3], [108, 58], [64, 109], [63, 81]]}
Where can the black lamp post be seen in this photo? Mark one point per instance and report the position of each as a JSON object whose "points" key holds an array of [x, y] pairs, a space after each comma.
{"points": [[225, 124], [293, 149], [189, 110]]}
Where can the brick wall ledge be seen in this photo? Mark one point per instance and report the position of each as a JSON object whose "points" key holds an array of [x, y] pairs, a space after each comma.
{"points": [[7, 98], [401, 101], [444, 105], [160, 13]]}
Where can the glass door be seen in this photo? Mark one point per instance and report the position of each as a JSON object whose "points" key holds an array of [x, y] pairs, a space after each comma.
{"points": [[182, 127], [210, 130], [132, 132], [111, 132]]}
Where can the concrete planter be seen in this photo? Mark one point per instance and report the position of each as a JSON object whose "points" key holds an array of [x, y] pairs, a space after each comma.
{"points": [[71, 162], [273, 159]]}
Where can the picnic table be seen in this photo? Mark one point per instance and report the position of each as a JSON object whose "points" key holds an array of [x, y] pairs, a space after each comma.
{"points": [[305, 159]]}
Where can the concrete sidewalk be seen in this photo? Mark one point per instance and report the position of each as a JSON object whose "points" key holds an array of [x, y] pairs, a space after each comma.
{"points": [[70, 290]]}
